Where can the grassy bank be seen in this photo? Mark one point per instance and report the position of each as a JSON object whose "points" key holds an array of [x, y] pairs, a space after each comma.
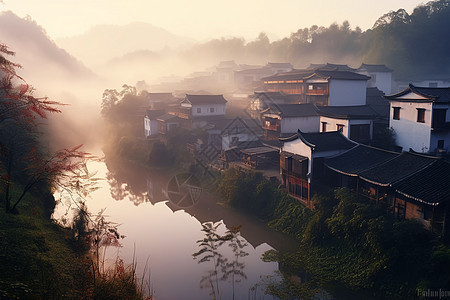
{"points": [[39, 259], [351, 247]]}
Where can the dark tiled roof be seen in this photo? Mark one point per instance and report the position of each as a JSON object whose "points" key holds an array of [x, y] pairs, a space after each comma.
{"points": [[430, 185], [295, 110], [341, 75], [440, 95], [359, 159], [206, 99], [375, 99], [330, 67], [153, 114], [291, 75], [258, 150], [374, 68], [276, 97], [323, 141], [398, 168], [167, 117], [348, 112], [374, 92]]}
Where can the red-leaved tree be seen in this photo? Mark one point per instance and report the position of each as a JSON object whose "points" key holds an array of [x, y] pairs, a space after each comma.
{"points": [[24, 162]]}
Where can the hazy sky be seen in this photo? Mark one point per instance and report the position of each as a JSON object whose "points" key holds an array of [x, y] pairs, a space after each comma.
{"points": [[201, 19]]}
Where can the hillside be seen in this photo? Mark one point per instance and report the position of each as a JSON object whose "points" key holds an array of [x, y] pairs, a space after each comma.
{"points": [[104, 42], [40, 57]]}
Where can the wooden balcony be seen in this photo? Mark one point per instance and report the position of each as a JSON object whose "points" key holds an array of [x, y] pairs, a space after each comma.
{"points": [[272, 127], [317, 92]]}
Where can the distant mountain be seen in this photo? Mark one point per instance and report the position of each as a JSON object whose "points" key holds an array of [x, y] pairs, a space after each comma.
{"points": [[105, 42], [40, 57]]}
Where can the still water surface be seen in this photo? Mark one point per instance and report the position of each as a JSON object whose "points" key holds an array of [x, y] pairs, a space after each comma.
{"points": [[166, 236]]}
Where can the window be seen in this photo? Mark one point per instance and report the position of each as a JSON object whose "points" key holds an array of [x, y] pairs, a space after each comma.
{"points": [[396, 115], [421, 115], [310, 87], [324, 126], [439, 117], [340, 127], [211, 109], [441, 144], [199, 110]]}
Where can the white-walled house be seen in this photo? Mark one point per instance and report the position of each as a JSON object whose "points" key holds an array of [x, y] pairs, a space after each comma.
{"points": [[288, 118], [380, 77], [420, 119], [321, 87], [194, 106], [302, 156], [355, 122], [151, 122]]}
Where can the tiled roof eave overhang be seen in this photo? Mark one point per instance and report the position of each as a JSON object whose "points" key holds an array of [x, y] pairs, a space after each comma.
{"points": [[410, 100], [417, 199], [353, 117], [298, 135], [340, 171]]}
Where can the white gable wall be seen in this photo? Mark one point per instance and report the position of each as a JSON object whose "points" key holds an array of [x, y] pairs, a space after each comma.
{"points": [[298, 147], [332, 125], [219, 110], [305, 124], [408, 132], [150, 126], [347, 92]]}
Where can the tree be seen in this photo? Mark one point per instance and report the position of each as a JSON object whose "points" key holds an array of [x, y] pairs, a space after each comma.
{"points": [[24, 162]]}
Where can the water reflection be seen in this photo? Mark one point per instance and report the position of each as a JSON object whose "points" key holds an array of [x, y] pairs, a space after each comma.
{"points": [[222, 268], [167, 235]]}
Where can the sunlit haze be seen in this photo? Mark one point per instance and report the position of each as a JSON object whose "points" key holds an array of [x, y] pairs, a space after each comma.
{"points": [[202, 19]]}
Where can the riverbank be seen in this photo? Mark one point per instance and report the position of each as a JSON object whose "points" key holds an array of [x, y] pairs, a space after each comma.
{"points": [[40, 259], [350, 247]]}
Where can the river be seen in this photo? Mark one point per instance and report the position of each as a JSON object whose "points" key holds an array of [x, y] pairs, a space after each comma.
{"points": [[163, 237]]}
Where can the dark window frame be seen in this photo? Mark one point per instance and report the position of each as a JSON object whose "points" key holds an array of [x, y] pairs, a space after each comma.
{"points": [[396, 113], [421, 115]]}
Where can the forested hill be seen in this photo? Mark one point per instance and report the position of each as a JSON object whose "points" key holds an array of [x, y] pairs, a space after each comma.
{"points": [[411, 44]]}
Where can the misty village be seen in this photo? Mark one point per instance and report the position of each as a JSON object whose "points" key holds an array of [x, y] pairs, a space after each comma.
{"points": [[162, 152]]}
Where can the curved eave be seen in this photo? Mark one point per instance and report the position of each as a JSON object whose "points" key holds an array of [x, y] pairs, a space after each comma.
{"points": [[298, 135], [411, 89], [349, 117], [417, 199], [411, 100], [307, 143], [341, 172], [374, 182], [289, 138], [318, 75]]}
